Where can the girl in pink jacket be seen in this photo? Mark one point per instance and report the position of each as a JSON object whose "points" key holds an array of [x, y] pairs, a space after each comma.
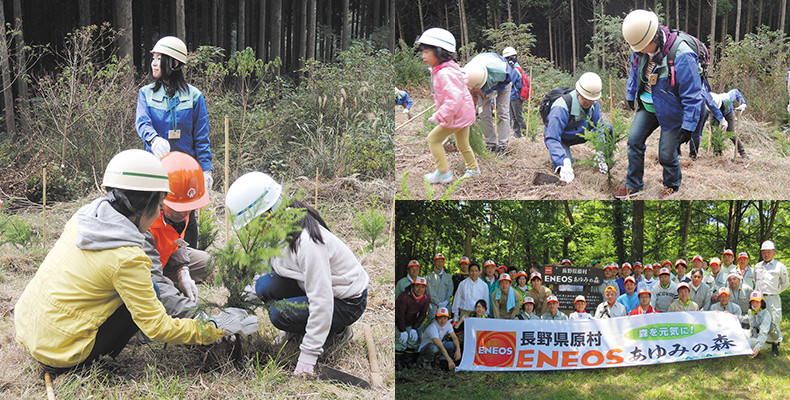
{"points": [[455, 108]]}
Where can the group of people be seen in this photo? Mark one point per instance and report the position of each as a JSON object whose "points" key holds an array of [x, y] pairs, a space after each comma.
{"points": [[127, 264], [665, 88], [736, 287]]}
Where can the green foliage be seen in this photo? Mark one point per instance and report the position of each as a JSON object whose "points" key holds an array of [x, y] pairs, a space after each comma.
{"points": [[447, 192], [507, 34], [261, 239], [409, 68], [59, 186], [404, 191], [207, 228], [13, 230], [607, 50], [718, 139], [605, 144], [371, 222]]}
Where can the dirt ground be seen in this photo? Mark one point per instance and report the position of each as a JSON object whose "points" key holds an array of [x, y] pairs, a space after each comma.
{"points": [[158, 370], [511, 177]]}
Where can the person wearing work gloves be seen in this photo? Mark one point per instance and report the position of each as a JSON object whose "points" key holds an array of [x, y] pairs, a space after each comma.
{"points": [[762, 328], [413, 271], [433, 346], [518, 93], [440, 286], [725, 108], [664, 95], [402, 98], [317, 286], [715, 116], [172, 260], [172, 115], [411, 308], [490, 79], [771, 279], [567, 124], [94, 291]]}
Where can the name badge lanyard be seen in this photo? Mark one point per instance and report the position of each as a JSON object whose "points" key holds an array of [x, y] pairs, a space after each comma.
{"points": [[174, 133]]}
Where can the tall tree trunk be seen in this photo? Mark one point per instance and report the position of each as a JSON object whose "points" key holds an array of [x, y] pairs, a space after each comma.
{"points": [[668, 12], [724, 19], [85, 12], [509, 15], [222, 36], [773, 208], [262, 47], [214, 21], [302, 42], [346, 29], [551, 45], [760, 14], [677, 14], [468, 242], [422, 18], [275, 30], [686, 25], [181, 28], [241, 42], [20, 62], [464, 27], [738, 23], [7, 89], [392, 25], [699, 18], [618, 227], [712, 40], [739, 209], [685, 221], [311, 28], [638, 231], [730, 225], [782, 20], [568, 237], [573, 38], [123, 19]]}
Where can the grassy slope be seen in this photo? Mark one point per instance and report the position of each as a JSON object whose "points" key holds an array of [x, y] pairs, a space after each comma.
{"points": [[510, 178], [171, 371]]}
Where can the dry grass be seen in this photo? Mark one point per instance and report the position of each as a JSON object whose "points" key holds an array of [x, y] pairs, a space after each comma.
{"points": [[199, 372], [511, 177]]}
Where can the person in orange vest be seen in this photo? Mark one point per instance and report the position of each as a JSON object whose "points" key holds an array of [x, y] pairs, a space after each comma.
{"points": [[175, 267]]}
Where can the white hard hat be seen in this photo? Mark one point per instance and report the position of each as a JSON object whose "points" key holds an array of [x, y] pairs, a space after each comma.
{"points": [[639, 28], [589, 86], [438, 37], [508, 51], [767, 245], [173, 47], [250, 196], [477, 74], [138, 170]]}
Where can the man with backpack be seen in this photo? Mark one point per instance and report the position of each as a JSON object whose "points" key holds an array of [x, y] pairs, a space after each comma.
{"points": [[566, 113], [665, 88], [518, 93]]}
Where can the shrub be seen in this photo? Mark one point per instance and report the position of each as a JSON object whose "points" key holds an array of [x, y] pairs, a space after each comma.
{"points": [[371, 223], [409, 68]]}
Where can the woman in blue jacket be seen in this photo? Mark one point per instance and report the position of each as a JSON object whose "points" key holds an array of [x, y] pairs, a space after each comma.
{"points": [[172, 115]]}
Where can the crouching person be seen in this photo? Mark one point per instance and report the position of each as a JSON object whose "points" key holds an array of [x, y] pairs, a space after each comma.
{"points": [[433, 348], [762, 328], [411, 308], [318, 286], [93, 291]]}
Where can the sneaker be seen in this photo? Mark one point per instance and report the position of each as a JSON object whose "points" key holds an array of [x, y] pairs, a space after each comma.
{"points": [[745, 157], [600, 161], [439, 177], [667, 191], [626, 193], [472, 172]]}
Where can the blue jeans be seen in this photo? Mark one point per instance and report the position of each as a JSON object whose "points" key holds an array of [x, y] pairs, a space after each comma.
{"points": [[430, 352], [290, 311], [643, 125]]}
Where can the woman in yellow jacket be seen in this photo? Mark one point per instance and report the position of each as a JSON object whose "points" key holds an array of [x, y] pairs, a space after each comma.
{"points": [[94, 289]]}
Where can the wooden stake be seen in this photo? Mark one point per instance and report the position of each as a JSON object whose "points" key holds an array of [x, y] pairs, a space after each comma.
{"points": [[375, 372], [611, 106], [44, 209], [529, 103], [316, 189], [392, 222], [415, 117], [227, 175], [50, 389]]}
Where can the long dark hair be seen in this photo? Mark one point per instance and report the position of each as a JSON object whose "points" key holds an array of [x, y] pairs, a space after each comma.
{"points": [[172, 79], [312, 222]]}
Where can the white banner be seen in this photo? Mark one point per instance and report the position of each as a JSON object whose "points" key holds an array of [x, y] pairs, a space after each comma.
{"points": [[516, 345]]}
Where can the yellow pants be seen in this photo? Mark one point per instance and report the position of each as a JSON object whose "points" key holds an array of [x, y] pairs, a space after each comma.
{"points": [[435, 139]]}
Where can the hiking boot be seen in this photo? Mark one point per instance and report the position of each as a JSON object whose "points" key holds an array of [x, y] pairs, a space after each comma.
{"points": [[500, 150], [624, 193], [439, 177], [774, 349], [745, 157], [471, 172], [667, 191], [399, 362]]}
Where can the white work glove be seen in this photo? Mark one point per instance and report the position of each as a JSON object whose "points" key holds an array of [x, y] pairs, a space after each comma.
{"points": [[566, 171], [208, 179], [405, 110], [412, 335], [160, 147], [303, 368], [187, 284], [724, 124], [788, 107], [235, 320], [433, 119], [741, 107], [404, 337], [600, 161]]}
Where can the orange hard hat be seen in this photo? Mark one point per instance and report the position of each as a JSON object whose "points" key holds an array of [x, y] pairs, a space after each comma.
{"points": [[187, 185]]}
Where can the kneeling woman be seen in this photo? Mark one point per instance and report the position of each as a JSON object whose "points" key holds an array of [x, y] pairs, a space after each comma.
{"points": [[94, 290], [318, 285]]}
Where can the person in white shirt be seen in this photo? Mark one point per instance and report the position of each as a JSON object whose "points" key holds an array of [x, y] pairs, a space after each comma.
{"points": [[580, 303], [739, 292], [470, 290], [433, 346], [610, 308], [440, 286], [413, 271], [770, 277], [664, 292], [648, 280]]}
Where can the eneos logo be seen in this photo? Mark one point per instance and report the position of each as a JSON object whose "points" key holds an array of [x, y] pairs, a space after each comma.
{"points": [[495, 349]]}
